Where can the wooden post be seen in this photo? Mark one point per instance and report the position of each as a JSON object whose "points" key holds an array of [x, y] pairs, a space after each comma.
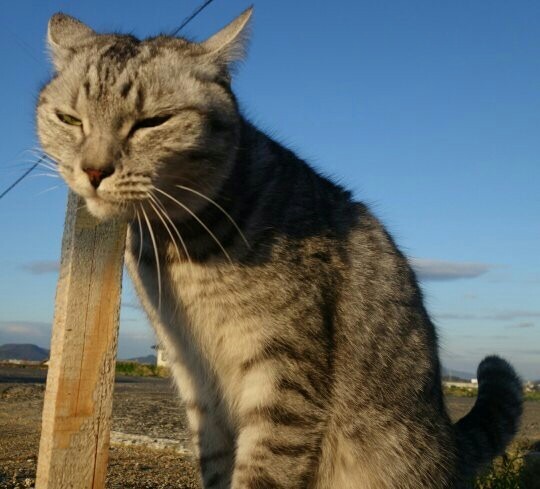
{"points": [[73, 451]]}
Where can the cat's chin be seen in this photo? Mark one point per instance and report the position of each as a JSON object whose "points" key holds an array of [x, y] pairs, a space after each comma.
{"points": [[105, 211]]}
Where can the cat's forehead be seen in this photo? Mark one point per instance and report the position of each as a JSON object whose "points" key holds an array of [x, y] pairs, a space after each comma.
{"points": [[124, 69], [120, 52], [96, 65], [120, 49]]}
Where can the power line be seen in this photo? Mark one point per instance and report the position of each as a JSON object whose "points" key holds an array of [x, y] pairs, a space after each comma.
{"points": [[20, 178], [187, 20]]}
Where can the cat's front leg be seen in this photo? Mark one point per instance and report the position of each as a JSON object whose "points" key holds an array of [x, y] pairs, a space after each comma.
{"points": [[208, 420], [214, 445], [280, 432]]}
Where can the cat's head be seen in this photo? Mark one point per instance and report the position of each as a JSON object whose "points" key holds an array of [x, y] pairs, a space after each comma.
{"points": [[127, 119]]}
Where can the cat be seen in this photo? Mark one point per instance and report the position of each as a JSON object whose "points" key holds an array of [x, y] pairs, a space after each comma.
{"points": [[294, 327]]}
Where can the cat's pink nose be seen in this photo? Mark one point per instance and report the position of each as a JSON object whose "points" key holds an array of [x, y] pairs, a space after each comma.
{"points": [[96, 175]]}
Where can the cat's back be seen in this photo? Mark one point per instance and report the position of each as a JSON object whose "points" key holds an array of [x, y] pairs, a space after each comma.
{"points": [[387, 395], [387, 338]]}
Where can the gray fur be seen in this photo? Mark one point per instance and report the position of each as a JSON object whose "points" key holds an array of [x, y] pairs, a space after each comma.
{"points": [[296, 329]]}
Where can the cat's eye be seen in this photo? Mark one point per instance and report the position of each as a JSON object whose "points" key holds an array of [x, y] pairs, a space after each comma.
{"points": [[149, 122], [69, 119]]}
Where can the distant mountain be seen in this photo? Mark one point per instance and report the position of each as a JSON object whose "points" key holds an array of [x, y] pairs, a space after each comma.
{"points": [[23, 352], [149, 359], [457, 374]]}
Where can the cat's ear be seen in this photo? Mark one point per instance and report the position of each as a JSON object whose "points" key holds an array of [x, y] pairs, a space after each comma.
{"points": [[65, 34], [229, 45]]}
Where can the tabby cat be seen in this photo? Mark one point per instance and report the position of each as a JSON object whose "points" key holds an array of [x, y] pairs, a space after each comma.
{"points": [[295, 328]]}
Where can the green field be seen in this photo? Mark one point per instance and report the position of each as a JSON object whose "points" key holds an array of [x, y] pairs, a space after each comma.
{"points": [[141, 369], [472, 392], [514, 470]]}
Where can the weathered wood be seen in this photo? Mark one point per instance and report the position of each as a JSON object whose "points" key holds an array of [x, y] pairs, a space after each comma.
{"points": [[74, 445]]}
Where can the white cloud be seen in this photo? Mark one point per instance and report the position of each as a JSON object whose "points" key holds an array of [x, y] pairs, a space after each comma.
{"points": [[519, 314], [41, 267], [442, 270], [36, 332], [523, 325], [131, 305], [511, 315], [451, 315]]}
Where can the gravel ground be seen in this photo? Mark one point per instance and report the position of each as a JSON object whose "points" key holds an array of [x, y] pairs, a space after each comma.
{"points": [[144, 410], [148, 422]]}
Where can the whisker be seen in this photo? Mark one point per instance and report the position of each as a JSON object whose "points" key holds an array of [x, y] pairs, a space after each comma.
{"points": [[48, 190], [46, 159], [44, 175], [140, 237], [31, 150], [54, 164], [157, 211], [41, 155], [156, 254], [164, 211], [33, 153], [36, 150], [187, 209], [19, 165], [208, 199], [48, 166], [49, 162]]}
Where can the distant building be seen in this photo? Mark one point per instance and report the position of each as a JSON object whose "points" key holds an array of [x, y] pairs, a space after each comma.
{"points": [[161, 356], [464, 385], [27, 363]]}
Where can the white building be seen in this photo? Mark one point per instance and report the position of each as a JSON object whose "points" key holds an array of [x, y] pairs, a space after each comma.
{"points": [[161, 360]]}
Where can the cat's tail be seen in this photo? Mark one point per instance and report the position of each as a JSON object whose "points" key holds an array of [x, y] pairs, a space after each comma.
{"points": [[494, 419]]}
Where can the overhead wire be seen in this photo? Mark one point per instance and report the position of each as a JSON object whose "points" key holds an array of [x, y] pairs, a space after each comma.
{"points": [[188, 19], [21, 178]]}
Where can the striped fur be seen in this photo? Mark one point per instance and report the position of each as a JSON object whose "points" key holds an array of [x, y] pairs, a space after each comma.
{"points": [[295, 328]]}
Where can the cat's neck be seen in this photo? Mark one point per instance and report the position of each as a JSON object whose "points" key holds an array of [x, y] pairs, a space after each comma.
{"points": [[269, 193]]}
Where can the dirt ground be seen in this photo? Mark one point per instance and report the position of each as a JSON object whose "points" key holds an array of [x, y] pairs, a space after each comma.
{"points": [[142, 406], [146, 411]]}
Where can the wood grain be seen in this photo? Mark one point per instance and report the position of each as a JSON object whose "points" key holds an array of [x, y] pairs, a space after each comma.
{"points": [[74, 445]]}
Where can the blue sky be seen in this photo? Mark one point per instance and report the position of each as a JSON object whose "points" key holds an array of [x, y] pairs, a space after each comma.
{"points": [[428, 111]]}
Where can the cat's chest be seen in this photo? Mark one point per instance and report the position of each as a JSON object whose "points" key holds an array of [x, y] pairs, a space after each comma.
{"points": [[208, 296], [220, 316], [215, 305], [204, 316], [222, 312]]}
